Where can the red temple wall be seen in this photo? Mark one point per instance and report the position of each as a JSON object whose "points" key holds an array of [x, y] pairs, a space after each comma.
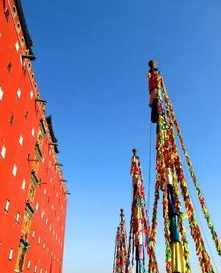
{"points": [[20, 116]]}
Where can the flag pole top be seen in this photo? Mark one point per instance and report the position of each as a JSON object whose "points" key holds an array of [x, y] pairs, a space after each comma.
{"points": [[152, 64], [134, 151], [121, 214]]}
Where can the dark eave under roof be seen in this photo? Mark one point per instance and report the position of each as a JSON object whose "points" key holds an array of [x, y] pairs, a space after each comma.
{"points": [[54, 139], [25, 30]]}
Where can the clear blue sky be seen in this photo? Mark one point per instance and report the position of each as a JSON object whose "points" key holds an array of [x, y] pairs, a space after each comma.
{"points": [[91, 66]]}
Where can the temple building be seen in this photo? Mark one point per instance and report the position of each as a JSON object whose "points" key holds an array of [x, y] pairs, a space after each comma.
{"points": [[33, 195]]}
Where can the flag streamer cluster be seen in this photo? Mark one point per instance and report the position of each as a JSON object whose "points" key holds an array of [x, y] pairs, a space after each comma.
{"points": [[120, 256], [171, 187]]}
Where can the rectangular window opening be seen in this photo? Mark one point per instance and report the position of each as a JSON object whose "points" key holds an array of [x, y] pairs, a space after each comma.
{"points": [[23, 247], [38, 153]]}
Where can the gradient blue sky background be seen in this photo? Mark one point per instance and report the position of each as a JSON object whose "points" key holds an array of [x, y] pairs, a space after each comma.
{"points": [[92, 59]]}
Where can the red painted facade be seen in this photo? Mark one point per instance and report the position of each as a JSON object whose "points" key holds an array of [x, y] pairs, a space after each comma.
{"points": [[33, 195]]}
